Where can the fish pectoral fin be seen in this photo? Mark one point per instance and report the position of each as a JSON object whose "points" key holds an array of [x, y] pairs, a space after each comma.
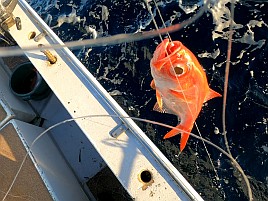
{"points": [[159, 100], [211, 94], [157, 108], [162, 109], [184, 130], [159, 104], [152, 85]]}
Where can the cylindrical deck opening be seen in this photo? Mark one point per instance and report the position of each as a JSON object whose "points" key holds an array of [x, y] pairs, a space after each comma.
{"points": [[27, 83]]}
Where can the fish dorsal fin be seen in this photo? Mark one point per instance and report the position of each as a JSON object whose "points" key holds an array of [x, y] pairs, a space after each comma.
{"points": [[211, 94]]}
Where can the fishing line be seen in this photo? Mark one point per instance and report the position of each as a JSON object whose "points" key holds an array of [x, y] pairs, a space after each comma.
{"points": [[227, 69], [104, 41], [153, 18], [234, 162], [154, 21], [226, 77], [23, 197]]}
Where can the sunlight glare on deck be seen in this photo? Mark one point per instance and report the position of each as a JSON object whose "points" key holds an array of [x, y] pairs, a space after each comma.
{"points": [[5, 149]]}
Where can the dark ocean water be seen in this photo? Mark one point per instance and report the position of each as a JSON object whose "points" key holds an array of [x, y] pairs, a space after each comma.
{"points": [[124, 71]]}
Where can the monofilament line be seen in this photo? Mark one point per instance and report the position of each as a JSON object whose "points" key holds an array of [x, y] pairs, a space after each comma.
{"points": [[227, 69], [226, 77], [103, 41], [236, 165]]}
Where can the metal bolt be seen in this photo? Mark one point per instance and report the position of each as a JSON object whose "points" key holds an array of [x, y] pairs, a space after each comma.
{"points": [[18, 23], [51, 58], [40, 36]]}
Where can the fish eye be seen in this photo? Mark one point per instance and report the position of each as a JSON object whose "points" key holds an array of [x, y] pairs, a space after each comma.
{"points": [[178, 70]]}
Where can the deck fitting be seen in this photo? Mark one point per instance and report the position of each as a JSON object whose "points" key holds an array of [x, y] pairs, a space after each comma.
{"points": [[40, 36], [118, 130], [31, 35], [146, 177], [18, 23], [50, 57]]}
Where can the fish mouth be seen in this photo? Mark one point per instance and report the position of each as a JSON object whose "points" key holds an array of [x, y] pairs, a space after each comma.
{"points": [[172, 47], [178, 58], [170, 55]]}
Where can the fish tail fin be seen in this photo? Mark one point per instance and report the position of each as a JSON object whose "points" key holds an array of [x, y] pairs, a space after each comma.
{"points": [[172, 133], [184, 139], [184, 130]]}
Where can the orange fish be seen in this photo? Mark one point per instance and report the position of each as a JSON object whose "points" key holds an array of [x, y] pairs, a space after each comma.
{"points": [[181, 86]]}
